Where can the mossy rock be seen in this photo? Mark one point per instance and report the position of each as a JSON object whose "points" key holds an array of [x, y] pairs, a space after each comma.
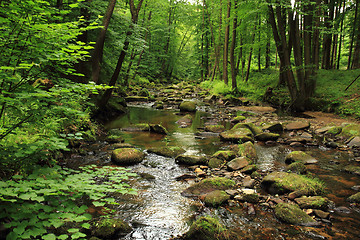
{"points": [[266, 136], [297, 167], [185, 120], [250, 198], [215, 128], [291, 213], [169, 151], [237, 135], [110, 228], [352, 169], [216, 198], [354, 198], [300, 156], [157, 128], [238, 119], [127, 156], [136, 99], [209, 185], [282, 182], [313, 202], [208, 228], [215, 162], [144, 92], [248, 150], [250, 169], [139, 127], [252, 127], [351, 130], [334, 130], [191, 160], [224, 155], [187, 106]]}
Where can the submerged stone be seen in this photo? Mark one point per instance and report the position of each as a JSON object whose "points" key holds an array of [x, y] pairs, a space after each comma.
{"points": [[127, 156], [291, 213]]}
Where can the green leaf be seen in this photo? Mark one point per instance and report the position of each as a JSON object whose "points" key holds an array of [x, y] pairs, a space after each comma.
{"points": [[63, 237], [78, 235], [49, 237], [98, 204], [86, 225], [73, 230]]}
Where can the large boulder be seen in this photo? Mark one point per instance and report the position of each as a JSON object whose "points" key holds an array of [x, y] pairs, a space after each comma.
{"points": [[216, 198], [251, 126], [266, 136], [187, 106], [157, 128], [283, 182], [127, 156], [191, 160], [208, 185], [273, 127], [169, 151], [291, 213], [215, 162], [300, 156], [215, 128]]}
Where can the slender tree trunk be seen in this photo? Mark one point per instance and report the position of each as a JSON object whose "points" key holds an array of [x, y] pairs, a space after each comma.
{"points": [[232, 50], [99, 47], [226, 44], [353, 35], [341, 36]]}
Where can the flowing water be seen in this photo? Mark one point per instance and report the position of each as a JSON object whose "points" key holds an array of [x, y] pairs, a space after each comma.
{"points": [[160, 212]]}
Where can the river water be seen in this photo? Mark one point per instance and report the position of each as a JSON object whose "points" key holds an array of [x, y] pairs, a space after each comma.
{"points": [[160, 212]]}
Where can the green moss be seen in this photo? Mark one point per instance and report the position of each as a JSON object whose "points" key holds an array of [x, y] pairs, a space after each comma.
{"points": [[215, 163], [297, 167], [215, 128], [220, 182], [107, 228], [248, 150], [355, 198], [334, 130], [216, 198], [224, 155], [291, 213], [351, 130], [295, 182], [207, 228]]}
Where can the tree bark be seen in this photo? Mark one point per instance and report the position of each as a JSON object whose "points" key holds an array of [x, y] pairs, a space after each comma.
{"points": [[99, 46], [232, 50], [226, 44]]}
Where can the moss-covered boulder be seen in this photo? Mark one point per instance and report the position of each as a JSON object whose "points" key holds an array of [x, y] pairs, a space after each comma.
{"points": [[291, 213], [248, 197], [238, 163], [300, 156], [354, 198], [215, 162], [224, 155], [187, 106], [297, 167], [216, 198], [127, 156], [251, 126], [237, 135], [238, 119], [191, 160], [351, 130], [208, 228], [136, 99], [169, 151], [283, 182], [335, 130], [267, 136], [139, 127], [352, 169], [248, 150], [313, 202], [110, 228], [209, 185], [215, 128], [250, 169]]}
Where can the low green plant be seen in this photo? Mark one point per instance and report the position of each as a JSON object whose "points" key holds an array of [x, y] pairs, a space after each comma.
{"points": [[37, 206]]}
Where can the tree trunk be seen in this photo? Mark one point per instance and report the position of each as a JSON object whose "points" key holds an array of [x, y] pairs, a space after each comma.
{"points": [[353, 35], [232, 50], [226, 44], [99, 47]]}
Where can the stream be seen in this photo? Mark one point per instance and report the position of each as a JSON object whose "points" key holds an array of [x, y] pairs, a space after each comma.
{"points": [[159, 211]]}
